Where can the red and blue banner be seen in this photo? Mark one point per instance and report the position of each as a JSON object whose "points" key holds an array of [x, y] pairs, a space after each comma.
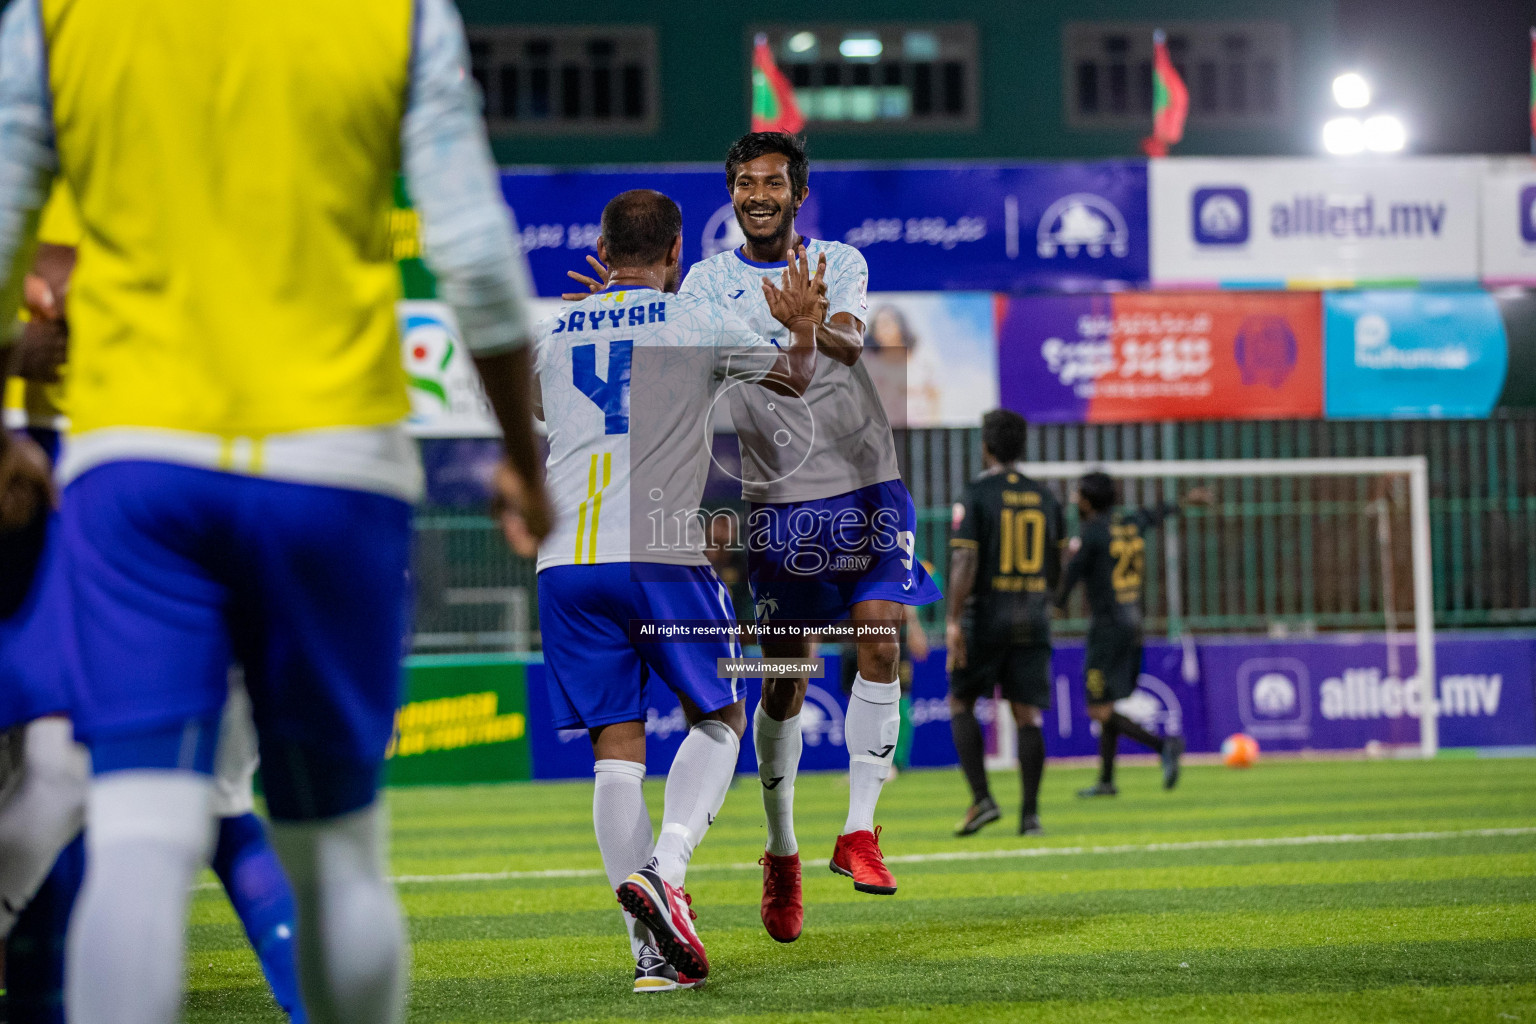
{"points": [[1138, 356]]}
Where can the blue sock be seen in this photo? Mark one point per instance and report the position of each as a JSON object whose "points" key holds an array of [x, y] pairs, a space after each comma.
{"points": [[247, 865], [34, 956]]}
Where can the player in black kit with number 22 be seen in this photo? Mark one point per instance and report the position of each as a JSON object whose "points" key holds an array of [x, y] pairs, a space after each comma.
{"points": [[1109, 555], [1004, 562]]}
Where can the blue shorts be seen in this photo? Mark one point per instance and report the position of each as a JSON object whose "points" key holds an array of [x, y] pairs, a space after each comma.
{"points": [[814, 560], [597, 671], [32, 660], [174, 573]]}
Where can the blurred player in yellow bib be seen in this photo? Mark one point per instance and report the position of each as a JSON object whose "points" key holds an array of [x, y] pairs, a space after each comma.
{"points": [[238, 485]]}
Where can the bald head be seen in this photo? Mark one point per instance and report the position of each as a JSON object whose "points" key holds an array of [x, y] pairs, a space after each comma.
{"points": [[639, 228]]}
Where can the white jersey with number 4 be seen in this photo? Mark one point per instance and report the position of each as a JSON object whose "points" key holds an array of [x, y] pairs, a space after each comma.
{"points": [[838, 438], [628, 378]]}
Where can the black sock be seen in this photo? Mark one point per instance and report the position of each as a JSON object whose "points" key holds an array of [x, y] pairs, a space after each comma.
{"points": [[1108, 737], [972, 750], [1126, 727], [1031, 765]]}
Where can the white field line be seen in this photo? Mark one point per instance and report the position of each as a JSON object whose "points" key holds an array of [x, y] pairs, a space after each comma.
{"points": [[1029, 851]]}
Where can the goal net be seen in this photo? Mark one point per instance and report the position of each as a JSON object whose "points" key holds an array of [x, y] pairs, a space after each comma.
{"points": [[1288, 549]]}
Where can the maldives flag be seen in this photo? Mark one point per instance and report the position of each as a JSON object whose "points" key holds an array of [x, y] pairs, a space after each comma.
{"points": [[773, 100], [1170, 100]]}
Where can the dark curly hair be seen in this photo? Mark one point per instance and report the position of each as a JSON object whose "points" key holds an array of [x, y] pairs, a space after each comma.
{"points": [[755, 144], [1098, 490], [1002, 434]]}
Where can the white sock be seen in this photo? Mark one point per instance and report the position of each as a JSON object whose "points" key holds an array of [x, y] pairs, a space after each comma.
{"points": [[778, 760], [350, 945], [872, 728], [696, 786], [147, 835], [623, 826], [45, 811]]}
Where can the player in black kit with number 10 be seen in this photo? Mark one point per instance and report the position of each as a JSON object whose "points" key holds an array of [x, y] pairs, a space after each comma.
{"points": [[1005, 558], [1109, 556]]}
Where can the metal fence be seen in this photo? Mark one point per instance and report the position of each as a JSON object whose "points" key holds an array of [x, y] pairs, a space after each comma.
{"points": [[1274, 555]]}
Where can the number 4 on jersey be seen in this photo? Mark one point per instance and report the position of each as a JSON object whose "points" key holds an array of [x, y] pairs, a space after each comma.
{"points": [[611, 395]]}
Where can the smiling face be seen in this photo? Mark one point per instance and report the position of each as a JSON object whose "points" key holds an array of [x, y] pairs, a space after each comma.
{"points": [[765, 201]]}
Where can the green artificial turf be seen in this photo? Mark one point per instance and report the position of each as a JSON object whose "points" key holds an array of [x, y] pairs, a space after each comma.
{"points": [[1437, 928]]}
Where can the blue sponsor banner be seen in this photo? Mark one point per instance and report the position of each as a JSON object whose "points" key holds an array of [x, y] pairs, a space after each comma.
{"points": [[1413, 354], [1340, 694], [567, 754], [1016, 227], [1325, 693], [1167, 702]]}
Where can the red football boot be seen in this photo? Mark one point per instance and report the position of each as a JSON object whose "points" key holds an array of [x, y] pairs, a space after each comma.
{"points": [[668, 912], [783, 912], [858, 856]]}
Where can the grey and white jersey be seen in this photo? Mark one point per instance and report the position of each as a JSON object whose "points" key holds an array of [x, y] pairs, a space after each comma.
{"points": [[628, 378], [838, 438]]}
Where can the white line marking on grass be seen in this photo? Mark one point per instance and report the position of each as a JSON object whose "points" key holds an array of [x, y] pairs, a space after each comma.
{"points": [[1028, 851], [1205, 844], [502, 876], [1031, 851]]}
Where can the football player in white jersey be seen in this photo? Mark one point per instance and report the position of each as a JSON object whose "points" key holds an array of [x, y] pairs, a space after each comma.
{"points": [[627, 380], [831, 527]]}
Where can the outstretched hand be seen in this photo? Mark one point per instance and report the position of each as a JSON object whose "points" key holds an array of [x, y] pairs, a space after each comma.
{"points": [[594, 284], [1199, 497], [800, 293]]}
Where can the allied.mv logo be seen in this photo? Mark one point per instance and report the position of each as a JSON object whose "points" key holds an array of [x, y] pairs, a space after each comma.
{"points": [[1274, 695], [1221, 215], [1528, 214], [1274, 698]]}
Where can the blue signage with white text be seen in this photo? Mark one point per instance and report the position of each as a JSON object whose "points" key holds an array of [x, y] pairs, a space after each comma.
{"points": [[1014, 227], [1414, 354]]}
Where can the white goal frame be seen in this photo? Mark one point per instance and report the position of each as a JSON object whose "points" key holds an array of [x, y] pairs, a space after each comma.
{"points": [[1414, 467]]}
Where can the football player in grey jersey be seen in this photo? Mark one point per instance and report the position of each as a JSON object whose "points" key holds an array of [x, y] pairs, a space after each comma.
{"points": [[831, 527]]}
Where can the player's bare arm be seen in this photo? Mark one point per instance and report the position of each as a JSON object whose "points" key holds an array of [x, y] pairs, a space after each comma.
{"points": [[469, 245], [841, 338], [520, 485], [962, 580]]}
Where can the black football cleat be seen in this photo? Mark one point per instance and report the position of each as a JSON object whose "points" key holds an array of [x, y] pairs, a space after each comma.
{"points": [[978, 817], [1173, 749]]}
